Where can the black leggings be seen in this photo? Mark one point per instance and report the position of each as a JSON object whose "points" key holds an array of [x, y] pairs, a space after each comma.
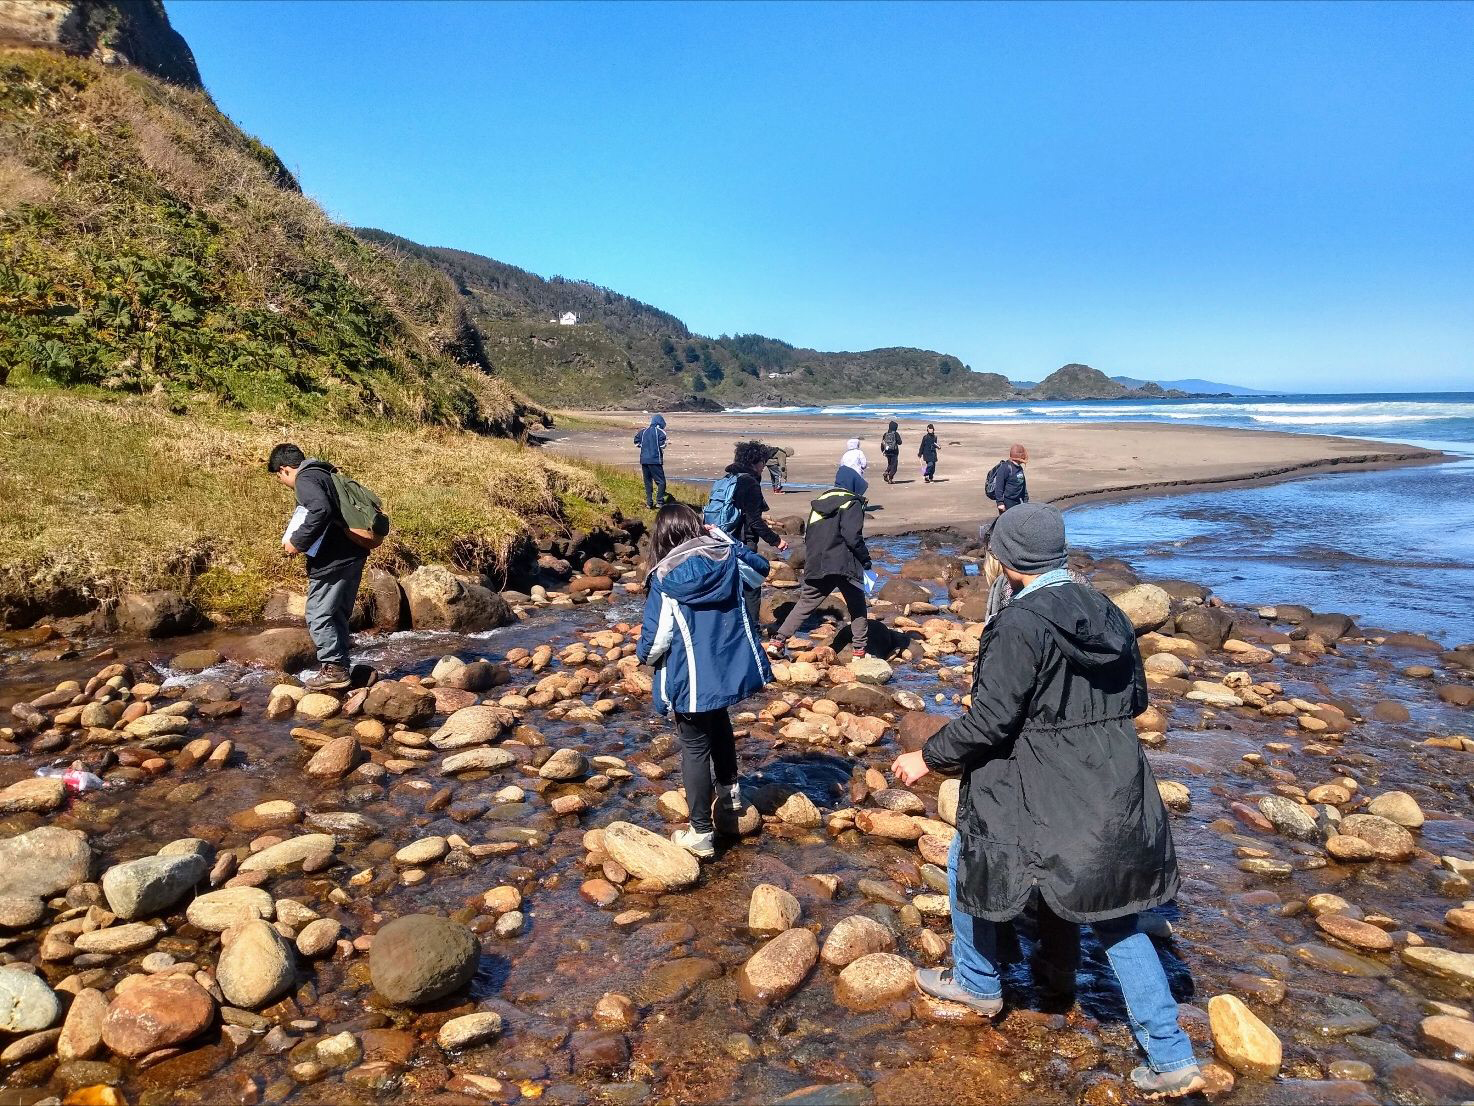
{"points": [[891, 461], [708, 749]]}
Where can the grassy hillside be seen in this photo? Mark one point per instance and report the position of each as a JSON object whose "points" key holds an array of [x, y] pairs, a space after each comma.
{"points": [[144, 499], [148, 246], [626, 353], [1082, 382]]}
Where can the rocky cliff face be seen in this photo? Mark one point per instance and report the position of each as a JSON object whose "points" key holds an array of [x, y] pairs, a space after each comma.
{"points": [[115, 32]]}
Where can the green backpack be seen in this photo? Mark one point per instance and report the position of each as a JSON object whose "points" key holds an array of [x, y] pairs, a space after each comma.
{"points": [[362, 511]]}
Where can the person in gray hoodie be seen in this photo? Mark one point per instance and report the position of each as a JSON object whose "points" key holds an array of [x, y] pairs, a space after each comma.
{"points": [[652, 441]]}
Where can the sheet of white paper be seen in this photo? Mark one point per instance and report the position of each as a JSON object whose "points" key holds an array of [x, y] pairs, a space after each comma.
{"points": [[299, 516]]}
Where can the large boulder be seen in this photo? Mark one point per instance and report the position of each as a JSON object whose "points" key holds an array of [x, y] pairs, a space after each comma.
{"points": [[283, 648], [289, 854], [157, 614], [257, 966], [477, 675], [1146, 605], [1210, 627], [649, 856], [395, 701], [854, 937], [1329, 628], [479, 725], [27, 1004], [157, 1012], [383, 601], [38, 864], [438, 599], [915, 729], [875, 980], [775, 970], [904, 592], [151, 885], [420, 957]]}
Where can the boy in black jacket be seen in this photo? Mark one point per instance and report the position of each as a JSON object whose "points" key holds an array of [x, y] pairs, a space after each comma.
{"points": [[836, 558], [334, 561]]}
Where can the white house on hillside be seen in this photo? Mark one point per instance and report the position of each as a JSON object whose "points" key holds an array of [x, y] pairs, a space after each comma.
{"points": [[568, 318]]}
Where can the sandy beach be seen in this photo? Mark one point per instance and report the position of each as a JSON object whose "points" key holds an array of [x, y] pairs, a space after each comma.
{"points": [[1068, 463]]}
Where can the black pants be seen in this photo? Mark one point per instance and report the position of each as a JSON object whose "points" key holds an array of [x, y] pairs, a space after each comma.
{"points": [[814, 592], [891, 461], [708, 750], [654, 477]]}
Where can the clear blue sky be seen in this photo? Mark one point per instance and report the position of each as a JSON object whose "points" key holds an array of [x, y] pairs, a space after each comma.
{"points": [[1269, 194]]}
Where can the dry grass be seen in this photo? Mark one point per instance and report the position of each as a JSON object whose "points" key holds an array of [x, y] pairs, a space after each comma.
{"points": [[99, 497]]}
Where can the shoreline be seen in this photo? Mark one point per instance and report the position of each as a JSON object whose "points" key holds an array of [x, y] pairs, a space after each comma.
{"points": [[1071, 464]]}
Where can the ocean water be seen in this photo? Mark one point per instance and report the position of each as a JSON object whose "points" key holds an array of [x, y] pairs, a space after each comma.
{"points": [[1393, 548]]}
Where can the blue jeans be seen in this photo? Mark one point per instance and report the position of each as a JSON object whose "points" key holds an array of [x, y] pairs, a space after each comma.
{"points": [[1149, 1003]]}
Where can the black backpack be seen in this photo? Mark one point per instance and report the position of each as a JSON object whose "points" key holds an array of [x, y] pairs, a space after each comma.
{"points": [[997, 478], [890, 442]]}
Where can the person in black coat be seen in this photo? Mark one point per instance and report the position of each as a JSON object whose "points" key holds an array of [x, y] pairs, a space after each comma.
{"points": [[1057, 797], [890, 448], [748, 461], [1006, 482], [928, 452], [835, 559]]}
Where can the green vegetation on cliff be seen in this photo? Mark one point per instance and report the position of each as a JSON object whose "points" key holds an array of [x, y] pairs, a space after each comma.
{"points": [[624, 353], [108, 496], [148, 246], [1081, 382]]}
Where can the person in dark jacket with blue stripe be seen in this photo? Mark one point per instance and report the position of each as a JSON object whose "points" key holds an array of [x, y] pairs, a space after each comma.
{"points": [[652, 441], [835, 559], [699, 638]]}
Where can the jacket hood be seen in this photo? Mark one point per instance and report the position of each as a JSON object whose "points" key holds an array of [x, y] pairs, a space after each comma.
{"points": [[893, 425], [850, 480], [657, 420], [702, 572], [853, 443], [830, 503], [1089, 629]]}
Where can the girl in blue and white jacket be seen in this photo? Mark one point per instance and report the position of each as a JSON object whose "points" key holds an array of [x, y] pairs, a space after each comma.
{"points": [[700, 639]]}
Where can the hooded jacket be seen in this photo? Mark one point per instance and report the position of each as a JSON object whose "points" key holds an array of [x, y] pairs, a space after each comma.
{"points": [[1057, 794], [696, 631], [854, 457], [834, 537], [1013, 485], [652, 441], [929, 447], [316, 492]]}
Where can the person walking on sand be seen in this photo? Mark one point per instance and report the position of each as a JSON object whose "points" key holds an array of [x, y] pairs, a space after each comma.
{"points": [[704, 649], [318, 531], [854, 457], [890, 448], [928, 452], [652, 441], [1006, 485], [778, 467], [835, 559], [1059, 799]]}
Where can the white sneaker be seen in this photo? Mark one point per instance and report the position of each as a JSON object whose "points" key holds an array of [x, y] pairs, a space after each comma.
{"points": [[700, 845]]}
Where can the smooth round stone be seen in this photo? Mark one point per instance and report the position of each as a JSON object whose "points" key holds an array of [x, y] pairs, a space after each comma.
{"points": [[1338, 961], [1355, 1070], [1357, 934], [427, 850]]}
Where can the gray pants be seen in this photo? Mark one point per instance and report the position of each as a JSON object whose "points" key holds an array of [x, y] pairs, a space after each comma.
{"points": [[814, 592], [329, 606]]}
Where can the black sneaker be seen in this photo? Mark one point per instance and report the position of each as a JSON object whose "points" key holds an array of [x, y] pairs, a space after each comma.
{"points": [[331, 677]]}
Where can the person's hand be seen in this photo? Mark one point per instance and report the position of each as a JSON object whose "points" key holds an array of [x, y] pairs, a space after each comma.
{"points": [[1002, 507], [909, 767], [782, 545], [290, 550]]}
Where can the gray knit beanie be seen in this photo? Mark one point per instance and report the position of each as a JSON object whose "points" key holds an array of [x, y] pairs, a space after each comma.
{"points": [[1029, 538]]}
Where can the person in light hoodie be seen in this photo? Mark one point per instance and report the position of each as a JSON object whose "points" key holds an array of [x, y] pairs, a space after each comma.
{"points": [[701, 641], [854, 457]]}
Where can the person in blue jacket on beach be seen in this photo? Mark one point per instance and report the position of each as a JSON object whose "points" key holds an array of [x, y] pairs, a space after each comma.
{"points": [[652, 441], [699, 638]]}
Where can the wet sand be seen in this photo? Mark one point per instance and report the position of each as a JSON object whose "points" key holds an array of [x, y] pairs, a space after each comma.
{"points": [[1068, 462]]}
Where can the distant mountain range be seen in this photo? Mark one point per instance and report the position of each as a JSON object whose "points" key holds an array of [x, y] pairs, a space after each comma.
{"points": [[1194, 386]]}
